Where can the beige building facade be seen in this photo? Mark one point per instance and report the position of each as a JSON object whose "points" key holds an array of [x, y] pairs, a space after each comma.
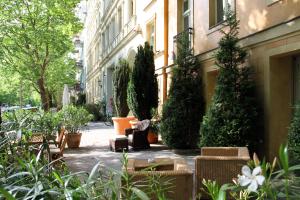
{"points": [[113, 30], [270, 31]]}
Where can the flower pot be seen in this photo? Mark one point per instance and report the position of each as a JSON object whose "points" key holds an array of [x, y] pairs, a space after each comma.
{"points": [[73, 140], [121, 123], [152, 137]]}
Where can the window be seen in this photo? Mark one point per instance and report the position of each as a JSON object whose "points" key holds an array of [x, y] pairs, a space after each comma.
{"points": [[217, 10], [186, 14], [120, 21], [131, 9], [151, 33]]}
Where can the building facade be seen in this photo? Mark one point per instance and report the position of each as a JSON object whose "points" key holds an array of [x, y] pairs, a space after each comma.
{"points": [[114, 29], [269, 31]]}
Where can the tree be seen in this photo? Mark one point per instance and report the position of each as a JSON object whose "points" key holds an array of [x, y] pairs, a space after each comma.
{"points": [[184, 108], [231, 119], [120, 83], [142, 87], [34, 35]]}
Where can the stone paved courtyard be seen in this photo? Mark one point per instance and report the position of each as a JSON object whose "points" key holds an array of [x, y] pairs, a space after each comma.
{"points": [[94, 148]]}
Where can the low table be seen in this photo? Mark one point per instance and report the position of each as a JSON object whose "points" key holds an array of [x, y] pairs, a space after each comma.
{"points": [[118, 143]]}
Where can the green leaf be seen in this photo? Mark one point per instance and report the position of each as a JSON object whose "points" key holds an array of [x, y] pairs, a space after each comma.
{"points": [[142, 195], [284, 158], [6, 194]]}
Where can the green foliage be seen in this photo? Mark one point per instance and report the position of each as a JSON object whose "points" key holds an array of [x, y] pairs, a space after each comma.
{"points": [[96, 110], [13, 90], [29, 176], [184, 108], [143, 89], [231, 119], [81, 99], [294, 135], [46, 123], [214, 190], [73, 118], [36, 38], [281, 181], [120, 82]]}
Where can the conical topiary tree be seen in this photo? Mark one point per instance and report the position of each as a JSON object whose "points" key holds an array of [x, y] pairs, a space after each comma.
{"points": [[231, 119], [184, 108], [120, 82], [294, 136], [142, 88]]}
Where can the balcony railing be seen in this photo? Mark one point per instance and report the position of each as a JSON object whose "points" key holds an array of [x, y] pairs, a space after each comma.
{"points": [[186, 33], [118, 39]]}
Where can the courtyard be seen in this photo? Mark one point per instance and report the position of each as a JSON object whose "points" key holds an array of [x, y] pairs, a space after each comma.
{"points": [[94, 148]]}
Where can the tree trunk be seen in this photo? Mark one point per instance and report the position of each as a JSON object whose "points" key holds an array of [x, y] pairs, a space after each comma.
{"points": [[44, 94]]}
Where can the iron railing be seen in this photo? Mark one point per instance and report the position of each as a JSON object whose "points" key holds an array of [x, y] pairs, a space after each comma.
{"points": [[189, 33]]}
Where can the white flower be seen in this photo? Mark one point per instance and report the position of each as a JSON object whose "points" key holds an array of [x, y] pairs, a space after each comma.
{"points": [[252, 180]]}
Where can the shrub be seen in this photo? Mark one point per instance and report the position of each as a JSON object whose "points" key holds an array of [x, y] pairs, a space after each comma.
{"points": [[73, 118], [142, 88], [184, 108], [96, 110], [231, 119], [294, 136], [81, 99], [120, 82]]}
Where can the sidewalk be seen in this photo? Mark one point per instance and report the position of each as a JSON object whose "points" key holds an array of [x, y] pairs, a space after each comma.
{"points": [[94, 148]]}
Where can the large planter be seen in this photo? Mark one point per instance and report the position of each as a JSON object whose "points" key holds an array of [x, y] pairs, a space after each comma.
{"points": [[73, 140], [152, 137], [121, 123]]}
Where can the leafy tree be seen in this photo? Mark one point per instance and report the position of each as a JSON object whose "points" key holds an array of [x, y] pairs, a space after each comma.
{"points": [[143, 88], [294, 136], [120, 82], [35, 35], [231, 119], [184, 108]]}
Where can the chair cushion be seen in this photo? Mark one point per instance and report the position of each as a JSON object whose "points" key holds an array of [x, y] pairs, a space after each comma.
{"points": [[143, 125]]}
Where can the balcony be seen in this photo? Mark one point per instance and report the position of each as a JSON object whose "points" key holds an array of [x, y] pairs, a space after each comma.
{"points": [[127, 29], [186, 33]]}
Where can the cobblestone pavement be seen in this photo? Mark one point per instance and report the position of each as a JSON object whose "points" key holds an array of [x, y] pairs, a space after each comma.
{"points": [[94, 148]]}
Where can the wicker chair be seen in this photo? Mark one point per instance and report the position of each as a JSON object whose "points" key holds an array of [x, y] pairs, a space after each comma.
{"points": [[220, 164], [174, 173], [137, 139]]}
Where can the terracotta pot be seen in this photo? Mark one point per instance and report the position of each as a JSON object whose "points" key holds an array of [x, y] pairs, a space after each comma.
{"points": [[152, 137], [121, 123], [73, 140]]}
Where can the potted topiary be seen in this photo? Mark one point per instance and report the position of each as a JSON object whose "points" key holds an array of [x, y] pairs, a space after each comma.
{"points": [[142, 88], [120, 83], [73, 118]]}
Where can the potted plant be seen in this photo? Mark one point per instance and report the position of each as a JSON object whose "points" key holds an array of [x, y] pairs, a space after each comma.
{"points": [[46, 124], [142, 87], [120, 82], [73, 118], [153, 131]]}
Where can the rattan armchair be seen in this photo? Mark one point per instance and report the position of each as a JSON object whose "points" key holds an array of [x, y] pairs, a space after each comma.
{"points": [[174, 175], [138, 139], [220, 164]]}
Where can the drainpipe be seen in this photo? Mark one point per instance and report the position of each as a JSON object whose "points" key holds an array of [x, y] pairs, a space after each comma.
{"points": [[166, 50]]}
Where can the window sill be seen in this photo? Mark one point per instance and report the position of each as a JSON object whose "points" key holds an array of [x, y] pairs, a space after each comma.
{"points": [[269, 4], [216, 27]]}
